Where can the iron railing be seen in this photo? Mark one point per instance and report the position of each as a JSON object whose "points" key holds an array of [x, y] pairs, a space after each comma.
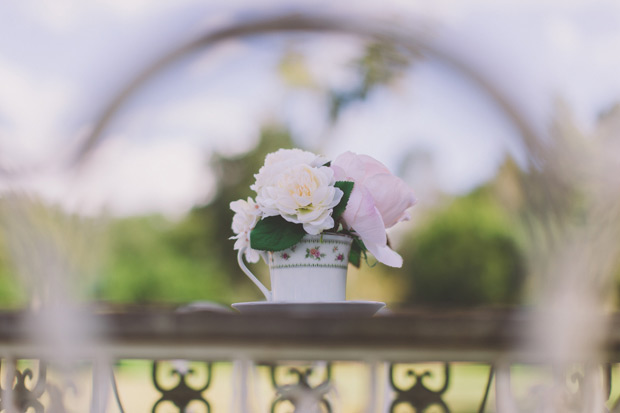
{"points": [[300, 356]]}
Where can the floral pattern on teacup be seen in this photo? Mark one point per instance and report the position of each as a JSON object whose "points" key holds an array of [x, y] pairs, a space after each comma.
{"points": [[314, 251]]}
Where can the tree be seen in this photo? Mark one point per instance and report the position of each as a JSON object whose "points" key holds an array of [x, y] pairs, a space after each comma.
{"points": [[468, 254], [152, 259]]}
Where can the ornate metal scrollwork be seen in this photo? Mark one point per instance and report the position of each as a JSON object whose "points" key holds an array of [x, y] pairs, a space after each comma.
{"points": [[485, 396], [25, 398], [56, 398], [418, 395], [300, 392], [575, 387], [182, 394], [584, 381]]}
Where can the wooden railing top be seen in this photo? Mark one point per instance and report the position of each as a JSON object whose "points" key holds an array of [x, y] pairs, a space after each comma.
{"points": [[416, 336]]}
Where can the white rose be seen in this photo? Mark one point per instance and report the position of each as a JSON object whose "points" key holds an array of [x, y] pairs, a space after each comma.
{"points": [[247, 214], [281, 160], [301, 194]]}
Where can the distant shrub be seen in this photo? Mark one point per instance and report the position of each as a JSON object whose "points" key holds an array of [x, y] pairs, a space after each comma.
{"points": [[467, 255], [147, 262]]}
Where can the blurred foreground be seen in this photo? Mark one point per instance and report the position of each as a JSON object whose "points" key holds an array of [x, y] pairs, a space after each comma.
{"points": [[541, 232]]}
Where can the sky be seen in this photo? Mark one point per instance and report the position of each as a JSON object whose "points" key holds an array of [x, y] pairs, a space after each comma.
{"points": [[61, 61]]}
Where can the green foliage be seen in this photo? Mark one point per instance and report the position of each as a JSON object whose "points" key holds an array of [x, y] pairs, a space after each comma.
{"points": [[275, 234], [467, 255], [35, 239], [234, 176], [346, 187], [381, 64], [150, 260], [155, 260], [355, 255], [10, 292]]}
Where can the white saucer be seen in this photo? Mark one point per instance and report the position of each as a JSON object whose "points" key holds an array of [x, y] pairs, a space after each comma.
{"points": [[358, 308]]}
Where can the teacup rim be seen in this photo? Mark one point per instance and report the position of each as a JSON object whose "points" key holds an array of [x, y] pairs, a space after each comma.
{"points": [[327, 235]]}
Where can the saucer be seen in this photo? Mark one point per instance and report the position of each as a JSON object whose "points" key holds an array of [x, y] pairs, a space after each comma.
{"points": [[358, 308]]}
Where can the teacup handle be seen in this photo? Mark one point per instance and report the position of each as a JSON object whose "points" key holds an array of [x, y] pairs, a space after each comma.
{"points": [[252, 277]]}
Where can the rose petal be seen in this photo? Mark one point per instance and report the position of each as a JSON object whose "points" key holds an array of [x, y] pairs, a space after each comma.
{"points": [[311, 215], [392, 197], [339, 174], [385, 255], [313, 229], [365, 219], [358, 167]]}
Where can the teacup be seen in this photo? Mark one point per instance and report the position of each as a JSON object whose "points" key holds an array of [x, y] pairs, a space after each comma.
{"points": [[313, 270]]}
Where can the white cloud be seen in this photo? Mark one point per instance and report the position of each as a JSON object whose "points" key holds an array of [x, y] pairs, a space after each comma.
{"points": [[563, 35], [127, 178], [65, 16], [226, 124], [306, 114], [530, 49], [60, 15], [33, 107], [217, 56], [435, 110], [328, 59], [131, 178]]}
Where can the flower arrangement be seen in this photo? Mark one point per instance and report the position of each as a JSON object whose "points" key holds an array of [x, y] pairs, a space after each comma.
{"points": [[299, 193]]}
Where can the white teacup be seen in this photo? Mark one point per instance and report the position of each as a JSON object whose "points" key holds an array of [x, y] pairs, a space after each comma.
{"points": [[313, 270]]}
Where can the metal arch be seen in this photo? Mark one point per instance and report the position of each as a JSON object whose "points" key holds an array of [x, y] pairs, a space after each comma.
{"points": [[313, 22]]}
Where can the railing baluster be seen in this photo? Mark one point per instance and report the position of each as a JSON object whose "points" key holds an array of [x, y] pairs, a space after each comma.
{"points": [[101, 386], [299, 392], [16, 396], [418, 395], [241, 375], [485, 397], [182, 394], [503, 389], [7, 398]]}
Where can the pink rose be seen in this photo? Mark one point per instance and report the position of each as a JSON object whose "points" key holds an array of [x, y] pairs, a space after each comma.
{"points": [[378, 201]]}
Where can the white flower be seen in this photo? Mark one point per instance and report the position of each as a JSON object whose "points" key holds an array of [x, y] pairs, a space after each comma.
{"points": [[281, 160], [301, 194], [247, 214]]}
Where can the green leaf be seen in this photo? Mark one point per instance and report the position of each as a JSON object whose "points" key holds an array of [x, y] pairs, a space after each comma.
{"points": [[346, 187], [355, 256], [275, 234]]}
